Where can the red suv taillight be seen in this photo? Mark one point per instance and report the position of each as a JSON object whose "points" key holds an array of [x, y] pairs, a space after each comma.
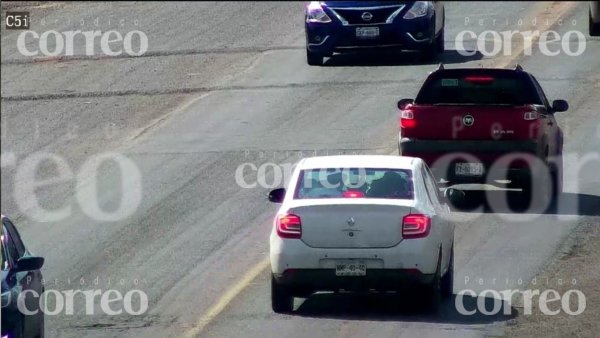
{"points": [[407, 119], [415, 226], [289, 226], [530, 116]]}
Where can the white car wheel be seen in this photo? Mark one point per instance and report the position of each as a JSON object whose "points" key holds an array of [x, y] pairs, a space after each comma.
{"points": [[281, 300]]}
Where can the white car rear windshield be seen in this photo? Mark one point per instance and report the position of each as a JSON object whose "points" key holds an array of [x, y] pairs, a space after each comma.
{"points": [[355, 183]]}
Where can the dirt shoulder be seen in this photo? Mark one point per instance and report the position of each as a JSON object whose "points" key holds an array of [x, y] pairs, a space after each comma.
{"points": [[578, 268]]}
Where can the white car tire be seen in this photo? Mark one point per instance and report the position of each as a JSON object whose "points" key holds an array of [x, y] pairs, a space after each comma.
{"points": [[281, 299], [433, 291], [448, 279]]}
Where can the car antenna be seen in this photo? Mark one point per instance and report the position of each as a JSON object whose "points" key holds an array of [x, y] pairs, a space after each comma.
{"points": [[440, 66], [518, 68]]}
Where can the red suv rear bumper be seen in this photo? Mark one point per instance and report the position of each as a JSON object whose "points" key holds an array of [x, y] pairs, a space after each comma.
{"points": [[510, 160]]}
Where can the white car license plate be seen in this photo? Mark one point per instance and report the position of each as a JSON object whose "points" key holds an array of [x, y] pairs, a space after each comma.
{"points": [[367, 32], [350, 268], [469, 169]]}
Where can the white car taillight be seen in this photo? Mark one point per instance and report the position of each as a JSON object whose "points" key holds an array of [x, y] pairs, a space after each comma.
{"points": [[416, 226], [288, 226]]}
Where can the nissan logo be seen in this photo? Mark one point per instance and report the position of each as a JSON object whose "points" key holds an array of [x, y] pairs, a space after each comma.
{"points": [[366, 16], [468, 120]]}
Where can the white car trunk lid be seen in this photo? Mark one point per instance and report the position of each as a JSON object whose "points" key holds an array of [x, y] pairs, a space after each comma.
{"points": [[351, 225]]}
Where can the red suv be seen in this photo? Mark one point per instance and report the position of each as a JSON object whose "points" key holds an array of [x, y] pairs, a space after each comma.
{"points": [[481, 125]]}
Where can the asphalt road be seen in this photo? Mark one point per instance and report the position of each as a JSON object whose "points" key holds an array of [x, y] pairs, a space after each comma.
{"points": [[225, 84]]}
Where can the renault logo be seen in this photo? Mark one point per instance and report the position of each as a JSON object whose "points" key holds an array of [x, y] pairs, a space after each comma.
{"points": [[366, 16], [350, 221], [468, 120]]}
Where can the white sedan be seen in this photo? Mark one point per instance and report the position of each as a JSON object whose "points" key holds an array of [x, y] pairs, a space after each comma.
{"points": [[361, 223]]}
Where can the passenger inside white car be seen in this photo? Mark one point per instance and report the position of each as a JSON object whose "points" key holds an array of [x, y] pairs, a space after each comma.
{"points": [[367, 183]]}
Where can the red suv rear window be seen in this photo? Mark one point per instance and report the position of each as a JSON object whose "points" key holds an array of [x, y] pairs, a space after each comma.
{"points": [[478, 89]]}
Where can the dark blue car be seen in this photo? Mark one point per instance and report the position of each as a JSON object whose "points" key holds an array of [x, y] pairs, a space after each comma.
{"points": [[21, 282], [340, 26]]}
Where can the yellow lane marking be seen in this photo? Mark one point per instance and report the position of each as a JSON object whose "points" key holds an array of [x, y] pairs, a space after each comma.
{"points": [[229, 296], [256, 270]]}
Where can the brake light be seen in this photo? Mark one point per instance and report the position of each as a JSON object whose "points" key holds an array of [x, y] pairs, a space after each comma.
{"points": [[415, 226], [479, 79], [407, 119], [353, 194], [288, 226], [530, 116]]}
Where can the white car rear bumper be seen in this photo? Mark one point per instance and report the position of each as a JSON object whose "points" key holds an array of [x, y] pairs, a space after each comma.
{"points": [[409, 254]]}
